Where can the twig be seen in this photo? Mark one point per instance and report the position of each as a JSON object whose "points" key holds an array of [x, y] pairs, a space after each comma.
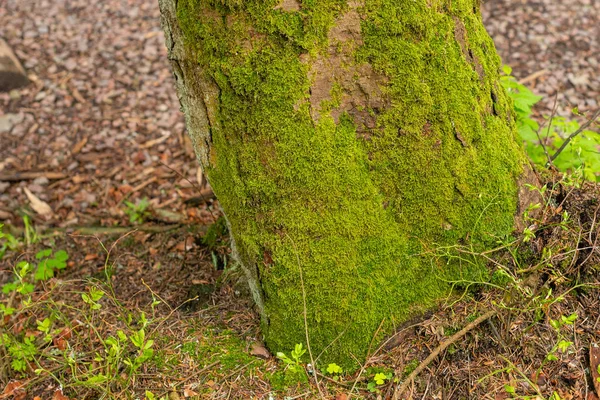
{"points": [[398, 392], [533, 76], [25, 176], [537, 133], [577, 132], [113, 230]]}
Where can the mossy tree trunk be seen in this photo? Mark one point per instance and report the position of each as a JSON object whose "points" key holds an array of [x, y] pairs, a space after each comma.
{"points": [[344, 139]]}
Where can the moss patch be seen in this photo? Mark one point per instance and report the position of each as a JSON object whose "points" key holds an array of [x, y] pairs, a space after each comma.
{"points": [[311, 201]]}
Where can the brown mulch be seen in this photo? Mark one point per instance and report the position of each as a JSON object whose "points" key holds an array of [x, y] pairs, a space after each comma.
{"points": [[99, 125], [559, 37]]}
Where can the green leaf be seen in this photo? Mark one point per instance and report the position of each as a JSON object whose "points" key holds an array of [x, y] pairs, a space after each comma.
{"points": [[43, 254], [9, 287], [509, 389], [334, 369], [61, 255], [138, 338], [563, 345], [379, 378], [96, 294], [44, 271], [44, 325]]}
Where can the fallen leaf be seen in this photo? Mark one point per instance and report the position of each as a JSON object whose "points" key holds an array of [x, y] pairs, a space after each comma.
{"points": [[65, 333], [187, 392], [79, 145], [39, 206], [60, 343], [14, 389], [341, 396], [260, 351], [594, 363], [90, 257], [58, 395]]}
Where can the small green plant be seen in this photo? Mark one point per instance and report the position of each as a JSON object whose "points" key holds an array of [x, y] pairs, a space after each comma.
{"points": [[21, 284], [561, 345], [137, 212], [145, 351], [562, 321], [524, 100], [49, 263], [334, 370], [545, 144], [379, 379], [92, 298], [21, 352], [24, 277], [7, 242], [294, 363]]}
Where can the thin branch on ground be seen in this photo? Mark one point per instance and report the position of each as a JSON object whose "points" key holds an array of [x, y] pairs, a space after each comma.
{"points": [[454, 338], [537, 133], [574, 134]]}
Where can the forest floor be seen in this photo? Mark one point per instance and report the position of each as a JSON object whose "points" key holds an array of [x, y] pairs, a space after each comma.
{"points": [[94, 161]]}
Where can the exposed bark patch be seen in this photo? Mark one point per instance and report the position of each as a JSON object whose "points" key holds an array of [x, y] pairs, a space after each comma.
{"points": [[460, 34], [195, 90], [427, 129], [460, 138], [527, 197], [360, 95], [288, 5], [494, 101]]}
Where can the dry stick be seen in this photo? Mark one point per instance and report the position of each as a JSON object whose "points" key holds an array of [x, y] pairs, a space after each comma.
{"points": [[398, 392], [533, 76], [25, 176], [577, 132], [537, 133]]}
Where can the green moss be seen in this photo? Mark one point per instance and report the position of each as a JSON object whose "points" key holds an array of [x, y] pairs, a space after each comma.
{"points": [[216, 234], [309, 201], [286, 379], [223, 346]]}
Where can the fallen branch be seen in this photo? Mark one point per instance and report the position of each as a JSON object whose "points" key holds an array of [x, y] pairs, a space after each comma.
{"points": [[26, 176], [533, 76], [205, 196], [572, 135], [400, 389], [113, 230]]}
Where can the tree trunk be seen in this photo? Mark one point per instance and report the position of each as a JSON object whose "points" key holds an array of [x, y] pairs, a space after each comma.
{"points": [[345, 140]]}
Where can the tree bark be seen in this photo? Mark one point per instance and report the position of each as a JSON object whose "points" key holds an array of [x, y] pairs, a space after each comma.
{"points": [[345, 140]]}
